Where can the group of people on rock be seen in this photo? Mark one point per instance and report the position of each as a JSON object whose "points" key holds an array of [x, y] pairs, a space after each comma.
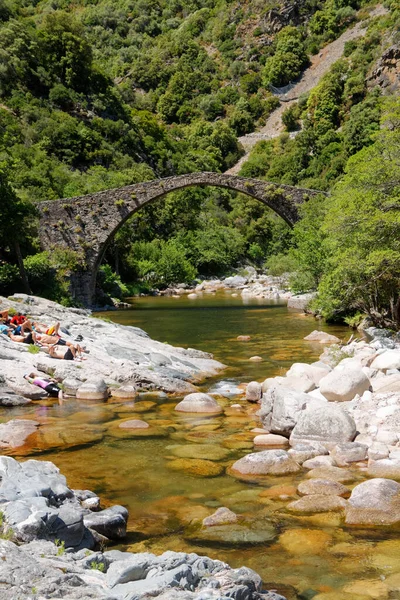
{"points": [[22, 330]]}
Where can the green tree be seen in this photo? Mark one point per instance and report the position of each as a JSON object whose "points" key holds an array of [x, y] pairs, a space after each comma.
{"points": [[14, 217]]}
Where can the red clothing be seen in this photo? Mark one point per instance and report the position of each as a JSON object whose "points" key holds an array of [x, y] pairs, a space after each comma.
{"points": [[18, 320]]}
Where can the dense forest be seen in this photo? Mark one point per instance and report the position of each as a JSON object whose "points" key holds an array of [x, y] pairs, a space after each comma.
{"points": [[99, 94]]}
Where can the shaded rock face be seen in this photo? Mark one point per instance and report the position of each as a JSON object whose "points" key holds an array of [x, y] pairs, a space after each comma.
{"points": [[38, 504], [387, 71]]}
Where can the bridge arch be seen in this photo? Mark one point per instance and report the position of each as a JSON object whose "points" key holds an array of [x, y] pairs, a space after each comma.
{"points": [[87, 224]]}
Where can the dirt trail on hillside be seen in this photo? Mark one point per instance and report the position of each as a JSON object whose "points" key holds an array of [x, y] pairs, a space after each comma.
{"points": [[320, 65]]}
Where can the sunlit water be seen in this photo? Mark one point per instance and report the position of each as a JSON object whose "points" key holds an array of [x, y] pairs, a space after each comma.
{"points": [[311, 554]]}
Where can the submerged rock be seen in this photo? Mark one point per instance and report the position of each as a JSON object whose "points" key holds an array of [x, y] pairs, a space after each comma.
{"points": [[221, 516], [196, 467], [15, 433], [322, 337], [235, 534]]}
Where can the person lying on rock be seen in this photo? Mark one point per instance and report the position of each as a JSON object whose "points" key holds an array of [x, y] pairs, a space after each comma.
{"points": [[23, 339], [21, 324], [44, 339], [49, 385], [63, 352]]}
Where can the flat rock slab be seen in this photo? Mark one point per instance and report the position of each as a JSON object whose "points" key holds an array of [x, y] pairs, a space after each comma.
{"points": [[235, 534], [322, 337], [317, 503], [271, 440], [332, 473], [325, 487], [374, 502], [15, 433], [199, 451]]}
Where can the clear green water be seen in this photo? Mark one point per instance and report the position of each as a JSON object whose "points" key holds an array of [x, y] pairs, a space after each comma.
{"points": [[311, 554]]}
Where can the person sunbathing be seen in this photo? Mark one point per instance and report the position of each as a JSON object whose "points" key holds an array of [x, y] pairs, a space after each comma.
{"points": [[49, 385], [54, 340], [23, 339], [63, 352]]}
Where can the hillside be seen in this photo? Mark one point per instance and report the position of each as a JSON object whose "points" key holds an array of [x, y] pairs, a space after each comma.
{"points": [[101, 94]]}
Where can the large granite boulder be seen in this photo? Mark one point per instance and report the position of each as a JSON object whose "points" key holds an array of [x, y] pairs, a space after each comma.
{"points": [[390, 359], [329, 425], [96, 389], [281, 408], [342, 384]]}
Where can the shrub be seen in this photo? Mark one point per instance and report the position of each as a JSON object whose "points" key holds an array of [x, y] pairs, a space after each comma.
{"points": [[280, 264], [9, 279]]}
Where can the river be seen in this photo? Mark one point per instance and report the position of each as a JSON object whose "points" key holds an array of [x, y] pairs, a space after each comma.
{"points": [[147, 472]]}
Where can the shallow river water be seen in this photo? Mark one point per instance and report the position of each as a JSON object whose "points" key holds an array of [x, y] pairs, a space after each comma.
{"points": [[150, 471]]}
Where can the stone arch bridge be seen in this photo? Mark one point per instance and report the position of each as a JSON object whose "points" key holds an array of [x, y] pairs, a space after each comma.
{"points": [[87, 224]]}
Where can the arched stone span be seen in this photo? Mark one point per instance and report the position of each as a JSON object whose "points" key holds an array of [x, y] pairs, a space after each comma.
{"points": [[87, 224]]}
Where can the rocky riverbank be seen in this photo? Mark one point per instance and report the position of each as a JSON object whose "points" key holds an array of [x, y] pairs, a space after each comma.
{"points": [[121, 358], [58, 527], [249, 284]]}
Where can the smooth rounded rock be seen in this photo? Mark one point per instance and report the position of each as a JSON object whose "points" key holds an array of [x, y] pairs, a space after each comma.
{"points": [[341, 385], [332, 473], [374, 502], [329, 425], [271, 440], [125, 392], [255, 358], [390, 359], [71, 386], [92, 390], [253, 391], [199, 403], [134, 424], [243, 338], [322, 337], [267, 462], [325, 487]]}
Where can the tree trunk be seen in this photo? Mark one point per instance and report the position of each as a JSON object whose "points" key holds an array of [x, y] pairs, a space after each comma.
{"points": [[22, 272]]}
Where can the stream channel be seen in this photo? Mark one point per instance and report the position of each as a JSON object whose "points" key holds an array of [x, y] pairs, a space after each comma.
{"points": [[146, 470]]}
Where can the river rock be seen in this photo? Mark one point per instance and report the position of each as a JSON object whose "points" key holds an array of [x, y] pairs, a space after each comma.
{"points": [[95, 389], [236, 281], [315, 373], [390, 359], [202, 451], [331, 473], [341, 385], [131, 568], [305, 541], [267, 462], [301, 383], [221, 516], [281, 408], [377, 451], [71, 386], [301, 301], [256, 358], [374, 502], [271, 440], [196, 467], [302, 452], [386, 467], [253, 391], [243, 338], [235, 535], [349, 452], [325, 487], [322, 337], [125, 392], [134, 424], [15, 433], [9, 398], [199, 403], [110, 522], [319, 461], [328, 425], [317, 503]]}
